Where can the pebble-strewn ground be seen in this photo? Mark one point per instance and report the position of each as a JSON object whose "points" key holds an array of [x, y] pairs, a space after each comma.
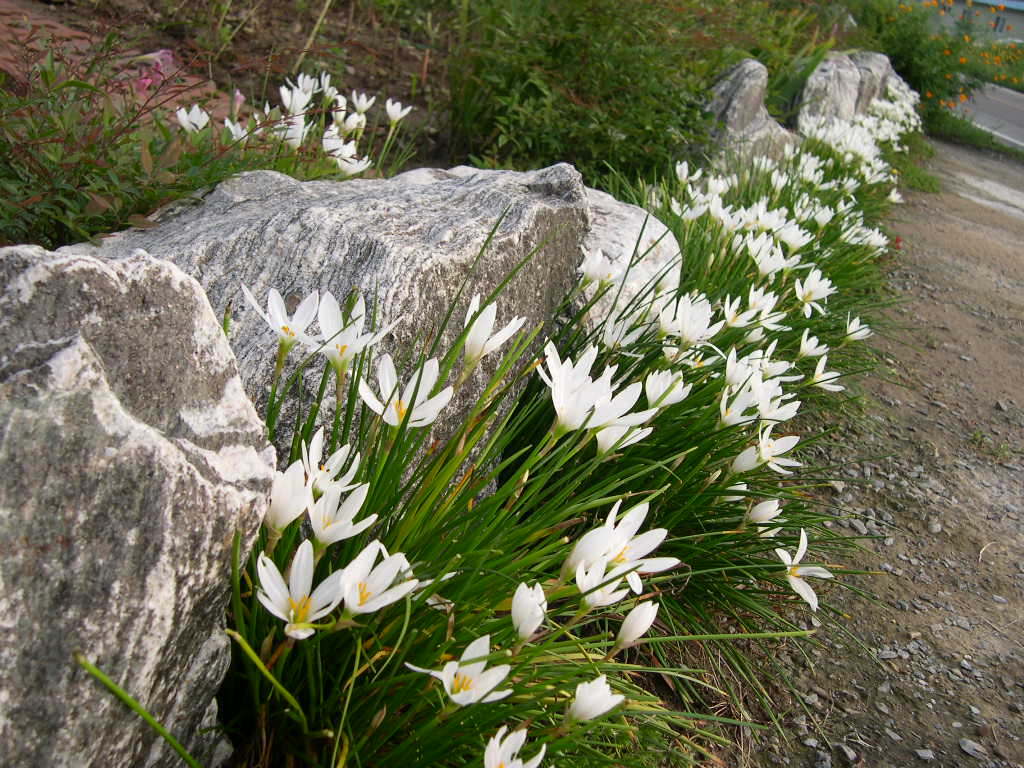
{"points": [[944, 493]]}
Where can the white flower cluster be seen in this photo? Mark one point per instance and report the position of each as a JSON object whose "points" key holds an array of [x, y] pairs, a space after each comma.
{"points": [[308, 97]]}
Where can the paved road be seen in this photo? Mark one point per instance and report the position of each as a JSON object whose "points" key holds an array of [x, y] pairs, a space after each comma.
{"points": [[1000, 111]]}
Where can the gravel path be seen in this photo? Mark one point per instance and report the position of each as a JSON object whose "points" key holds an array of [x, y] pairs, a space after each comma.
{"points": [[946, 684]]}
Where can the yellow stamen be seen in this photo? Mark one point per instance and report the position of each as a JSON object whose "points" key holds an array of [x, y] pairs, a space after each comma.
{"points": [[288, 331], [620, 558], [461, 683], [341, 349], [364, 593], [299, 611], [401, 408]]}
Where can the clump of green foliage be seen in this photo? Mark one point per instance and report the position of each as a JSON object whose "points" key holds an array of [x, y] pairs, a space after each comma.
{"points": [[596, 84]]}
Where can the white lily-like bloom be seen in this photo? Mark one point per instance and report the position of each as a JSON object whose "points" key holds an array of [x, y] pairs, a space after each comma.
{"points": [[825, 379], [738, 410], [599, 587], [294, 100], [814, 288], [238, 133], [289, 330], [855, 330], [332, 520], [289, 497], [665, 388], [809, 346], [479, 341], [617, 436], [596, 267], [193, 119], [684, 175], [306, 83], [764, 512], [573, 392], [354, 122], [293, 131], [367, 587], [732, 315], [593, 699], [689, 318], [396, 111], [351, 166], [414, 400], [320, 474], [767, 451], [338, 109], [343, 339], [468, 680], [361, 102], [529, 607], [617, 545], [503, 751], [795, 572], [293, 603], [335, 145], [895, 196], [636, 624], [793, 236]]}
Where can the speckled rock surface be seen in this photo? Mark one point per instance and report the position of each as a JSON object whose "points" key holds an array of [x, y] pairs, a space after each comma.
{"points": [[737, 105], [844, 85], [131, 457], [407, 243]]}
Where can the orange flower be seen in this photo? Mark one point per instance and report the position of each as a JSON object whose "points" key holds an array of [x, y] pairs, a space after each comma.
{"points": [[963, 59], [963, 97]]}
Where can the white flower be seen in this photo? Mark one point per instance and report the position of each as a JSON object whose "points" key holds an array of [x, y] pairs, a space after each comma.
{"points": [[793, 236], [855, 330], [368, 588], [597, 586], [338, 109], [809, 346], [665, 388], [320, 475], [479, 341], [597, 268], [825, 379], [593, 699], [396, 111], [350, 166], [192, 120], [573, 392], [813, 289], [795, 572], [293, 602], [294, 100], [331, 519], [468, 681], [336, 146], [288, 330], [352, 123], [733, 317], [343, 340], [361, 102], [619, 546], [502, 752], [764, 512], [293, 131], [306, 83], [636, 624], [895, 196], [619, 436], [415, 400], [529, 606], [238, 133], [684, 175], [767, 451], [289, 497]]}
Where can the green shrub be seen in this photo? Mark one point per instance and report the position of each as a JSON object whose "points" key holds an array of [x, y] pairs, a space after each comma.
{"points": [[597, 83]]}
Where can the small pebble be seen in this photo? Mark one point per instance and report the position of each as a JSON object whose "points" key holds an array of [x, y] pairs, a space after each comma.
{"points": [[925, 754]]}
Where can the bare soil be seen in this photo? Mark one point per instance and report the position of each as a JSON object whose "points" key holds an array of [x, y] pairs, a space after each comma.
{"points": [[940, 677]]}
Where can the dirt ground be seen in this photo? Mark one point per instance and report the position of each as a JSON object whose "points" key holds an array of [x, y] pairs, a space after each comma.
{"points": [[943, 683]]}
